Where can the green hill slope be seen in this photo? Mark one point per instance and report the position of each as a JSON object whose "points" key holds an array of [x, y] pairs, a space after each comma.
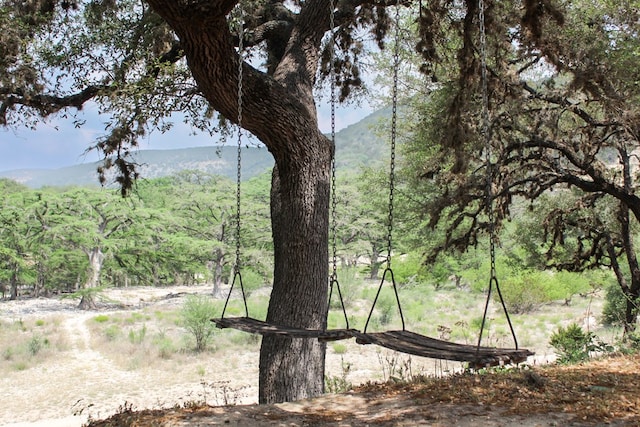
{"points": [[357, 145]]}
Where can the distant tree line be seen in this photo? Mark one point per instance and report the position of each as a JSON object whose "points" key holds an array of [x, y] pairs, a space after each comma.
{"points": [[181, 230], [173, 230]]}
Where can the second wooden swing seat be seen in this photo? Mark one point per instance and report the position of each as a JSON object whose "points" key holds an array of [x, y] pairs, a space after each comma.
{"points": [[420, 345], [408, 342]]}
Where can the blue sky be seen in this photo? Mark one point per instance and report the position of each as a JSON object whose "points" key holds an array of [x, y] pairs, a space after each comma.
{"points": [[57, 143]]}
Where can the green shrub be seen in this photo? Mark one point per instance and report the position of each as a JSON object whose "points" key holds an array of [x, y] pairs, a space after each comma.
{"points": [[348, 281], [574, 345], [615, 306], [386, 306], [196, 315], [40, 322], [564, 285], [165, 346], [339, 348], [36, 344], [409, 270], [524, 292], [20, 366], [339, 383], [632, 342], [251, 281], [137, 337], [112, 332], [101, 318], [7, 353]]}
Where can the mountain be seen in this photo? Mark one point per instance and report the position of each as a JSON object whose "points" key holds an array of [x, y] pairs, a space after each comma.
{"points": [[356, 145]]}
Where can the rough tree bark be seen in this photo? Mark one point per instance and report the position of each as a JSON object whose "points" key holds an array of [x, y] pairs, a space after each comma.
{"points": [[632, 293], [281, 112], [96, 260]]}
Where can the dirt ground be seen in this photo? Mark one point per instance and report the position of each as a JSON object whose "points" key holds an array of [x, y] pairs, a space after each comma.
{"points": [[598, 393], [83, 386]]}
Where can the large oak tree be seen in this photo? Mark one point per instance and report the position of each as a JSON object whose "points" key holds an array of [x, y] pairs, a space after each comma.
{"points": [[140, 61]]}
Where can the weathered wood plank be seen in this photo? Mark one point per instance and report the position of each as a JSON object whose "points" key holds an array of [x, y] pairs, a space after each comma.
{"points": [[255, 326]]}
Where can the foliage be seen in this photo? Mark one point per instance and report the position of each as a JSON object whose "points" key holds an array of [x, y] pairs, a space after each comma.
{"points": [[574, 345], [526, 290], [339, 383], [395, 367], [614, 306], [631, 342], [196, 315], [410, 270], [559, 149]]}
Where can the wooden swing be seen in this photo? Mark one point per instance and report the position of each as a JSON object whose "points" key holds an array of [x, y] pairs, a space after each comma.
{"points": [[404, 341], [247, 323]]}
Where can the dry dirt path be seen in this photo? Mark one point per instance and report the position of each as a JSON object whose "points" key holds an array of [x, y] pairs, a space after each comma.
{"points": [[80, 382]]}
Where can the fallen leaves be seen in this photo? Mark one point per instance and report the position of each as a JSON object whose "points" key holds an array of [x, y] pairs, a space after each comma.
{"points": [[600, 391]]}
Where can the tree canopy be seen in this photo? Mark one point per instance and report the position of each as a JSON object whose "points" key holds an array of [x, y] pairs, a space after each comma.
{"points": [[562, 95], [142, 61]]}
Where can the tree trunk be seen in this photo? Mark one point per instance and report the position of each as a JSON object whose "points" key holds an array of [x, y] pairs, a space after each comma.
{"points": [[292, 369], [633, 292], [96, 258], [13, 285], [279, 109], [374, 262], [216, 270]]}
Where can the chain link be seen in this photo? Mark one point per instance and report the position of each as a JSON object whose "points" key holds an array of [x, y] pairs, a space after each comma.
{"points": [[394, 121], [487, 136], [334, 202], [239, 159]]}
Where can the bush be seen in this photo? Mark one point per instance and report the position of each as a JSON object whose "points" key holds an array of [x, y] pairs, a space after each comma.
{"points": [[196, 315], [137, 337], [615, 306], [524, 292], [252, 281], [409, 270], [101, 318], [348, 281], [339, 383], [36, 344], [112, 332], [574, 345]]}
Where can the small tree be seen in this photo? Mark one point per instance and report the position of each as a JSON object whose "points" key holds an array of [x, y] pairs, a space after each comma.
{"points": [[197, 312]]}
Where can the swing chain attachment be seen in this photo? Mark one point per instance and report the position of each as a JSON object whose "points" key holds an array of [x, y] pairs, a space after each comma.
{"points": [[333, 280], [392, 166], [486, 133], [394, 132], [237, 275]]}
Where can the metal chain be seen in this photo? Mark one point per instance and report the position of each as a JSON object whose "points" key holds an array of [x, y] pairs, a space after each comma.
{"points": [[487, 137], [394, 120], [486, 132], [334, 203], [239, 159]]}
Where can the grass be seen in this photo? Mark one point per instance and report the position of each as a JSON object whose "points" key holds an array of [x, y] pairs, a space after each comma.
{"points": [[151, 343], [26, 343], [153, 338]]}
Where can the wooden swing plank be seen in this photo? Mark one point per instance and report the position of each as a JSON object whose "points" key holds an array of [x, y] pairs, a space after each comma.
{"points": [[255, 326], [420, 345]]}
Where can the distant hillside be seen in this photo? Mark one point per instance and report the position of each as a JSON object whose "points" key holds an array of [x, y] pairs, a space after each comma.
{"points": [[357, 145]]}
